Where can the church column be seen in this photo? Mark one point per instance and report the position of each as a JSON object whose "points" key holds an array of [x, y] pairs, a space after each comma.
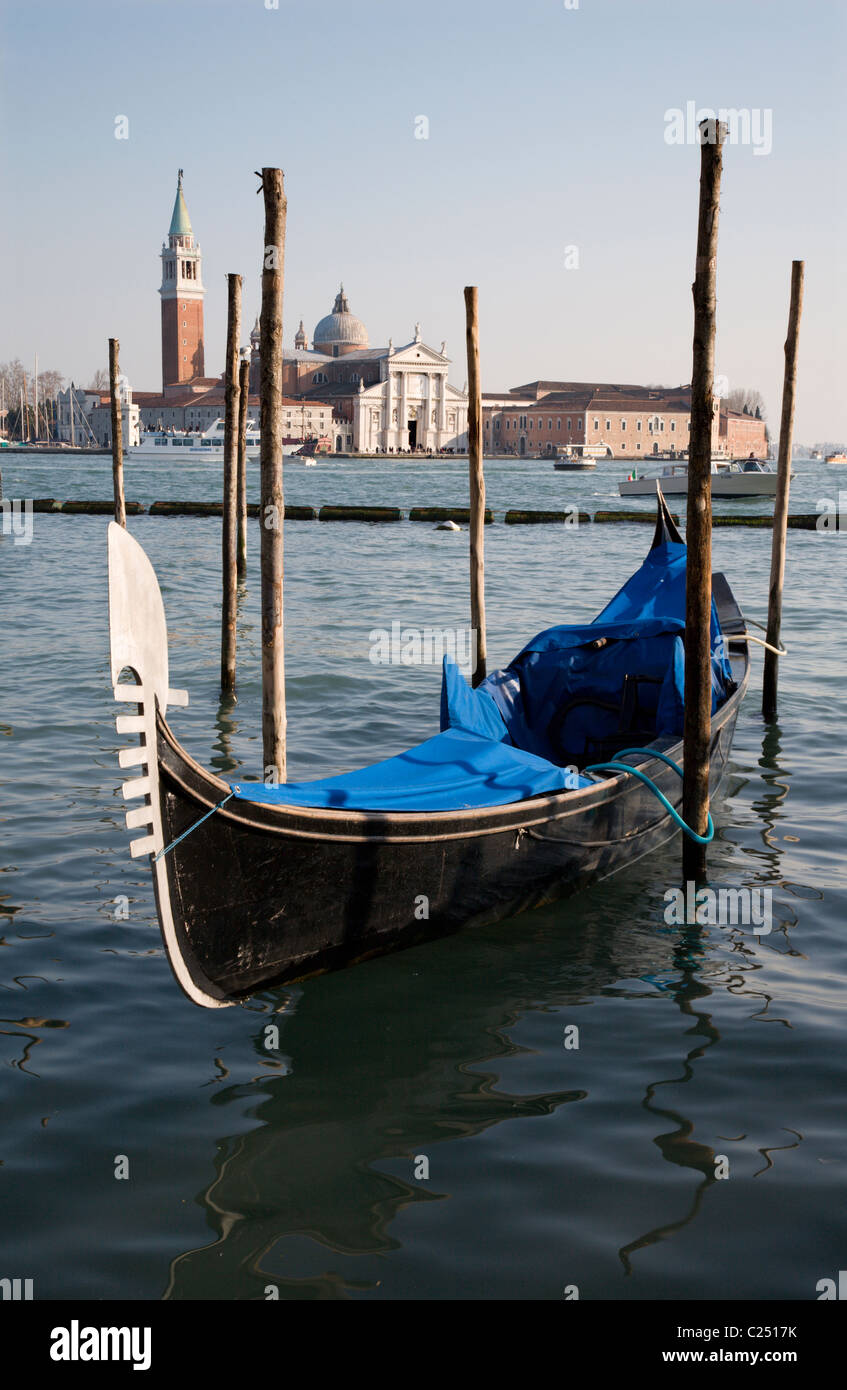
{"points": [[385, 442], [404, 415]]}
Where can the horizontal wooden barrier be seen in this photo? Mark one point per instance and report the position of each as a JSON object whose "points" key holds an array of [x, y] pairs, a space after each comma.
{"points": [[447, 514], [801, 521], [79, 508], [187, 509], [216, 509], [524, 518], [360, 514], [648, 517]]}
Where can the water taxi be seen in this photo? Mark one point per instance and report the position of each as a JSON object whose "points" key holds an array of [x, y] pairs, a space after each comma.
{"points": [[730, 478]]}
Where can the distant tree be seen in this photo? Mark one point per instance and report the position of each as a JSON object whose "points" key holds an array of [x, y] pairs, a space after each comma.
{"points": [[100, 380], [747, 400], [12, 375], [50, 384]]}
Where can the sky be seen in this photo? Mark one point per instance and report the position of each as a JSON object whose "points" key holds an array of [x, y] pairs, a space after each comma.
{"points": [[547, 178]]}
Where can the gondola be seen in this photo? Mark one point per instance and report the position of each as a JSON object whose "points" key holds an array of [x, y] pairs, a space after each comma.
{"points": [[510, 805]]}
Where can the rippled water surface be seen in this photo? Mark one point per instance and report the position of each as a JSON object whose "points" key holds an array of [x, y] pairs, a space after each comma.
{"points": [[548, 1166]]}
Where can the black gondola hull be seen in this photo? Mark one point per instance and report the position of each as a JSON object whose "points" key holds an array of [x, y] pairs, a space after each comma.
{"points": [[263, 894]]}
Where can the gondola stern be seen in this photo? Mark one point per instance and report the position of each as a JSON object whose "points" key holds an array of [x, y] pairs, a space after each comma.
{"points": [[666, 528]]}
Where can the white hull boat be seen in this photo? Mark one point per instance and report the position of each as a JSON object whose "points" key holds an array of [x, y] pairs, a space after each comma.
{"points": [[191, 446], [748, 478]]}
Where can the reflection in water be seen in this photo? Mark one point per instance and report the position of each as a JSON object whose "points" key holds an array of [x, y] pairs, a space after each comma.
{"points": [[18, 1029], [222, 759], [777, 1148], [677, 1146], [769, 805], [434, 1040], [389, 1060], [382, 1070]]}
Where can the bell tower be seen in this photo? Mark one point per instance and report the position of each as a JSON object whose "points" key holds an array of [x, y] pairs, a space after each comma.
{"points": [[182, 295]]}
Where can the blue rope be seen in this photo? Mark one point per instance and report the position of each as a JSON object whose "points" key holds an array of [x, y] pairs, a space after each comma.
{"points": [[178, 841], [642, 777]]}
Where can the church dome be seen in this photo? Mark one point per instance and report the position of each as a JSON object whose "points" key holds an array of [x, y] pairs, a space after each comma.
{"points": [[340, 331]]}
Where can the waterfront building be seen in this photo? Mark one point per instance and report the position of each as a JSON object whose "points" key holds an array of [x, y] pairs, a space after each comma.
{"points": [[84, 417], [357, 398], [100, 417], [631, 422], [301, 419], [387, 400], [73, 407]]}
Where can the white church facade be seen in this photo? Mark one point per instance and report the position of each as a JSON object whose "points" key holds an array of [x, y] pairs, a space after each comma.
{"points": [[413, 405], [393, 400]]}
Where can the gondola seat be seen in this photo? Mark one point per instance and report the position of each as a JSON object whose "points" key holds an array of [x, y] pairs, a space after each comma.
{"points": [[575, 694]]}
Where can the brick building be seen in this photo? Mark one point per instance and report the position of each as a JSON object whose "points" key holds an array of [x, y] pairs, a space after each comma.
{"points": [[629, 422]]}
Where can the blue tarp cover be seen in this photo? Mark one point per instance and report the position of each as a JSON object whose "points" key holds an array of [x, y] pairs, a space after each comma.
{"points": [[518, 733], [453, 771], [658, 589]]}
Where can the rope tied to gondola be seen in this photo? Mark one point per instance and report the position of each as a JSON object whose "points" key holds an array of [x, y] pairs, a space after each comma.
{"points": [[178, 841], [614, 766]]}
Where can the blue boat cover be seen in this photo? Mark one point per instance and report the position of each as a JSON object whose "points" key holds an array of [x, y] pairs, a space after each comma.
{"points": [[658, 589], [573, 692], [454, 771]]}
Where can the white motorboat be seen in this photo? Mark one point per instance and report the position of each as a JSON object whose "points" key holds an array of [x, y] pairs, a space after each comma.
{"points": [[578, 457], [730, 478], [189, 446]]}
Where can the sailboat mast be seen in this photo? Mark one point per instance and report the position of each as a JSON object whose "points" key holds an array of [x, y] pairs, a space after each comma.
{"points": [[35, 389]]}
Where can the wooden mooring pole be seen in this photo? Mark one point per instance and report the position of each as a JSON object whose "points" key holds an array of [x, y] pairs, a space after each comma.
{"points": [[271, 509], [477, 484], [229, 530], [698, 531], [770, 677], [117, 432], [243, 406]]}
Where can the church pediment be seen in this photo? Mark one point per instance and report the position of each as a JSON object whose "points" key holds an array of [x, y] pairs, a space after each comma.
{"points": [[416, 355]]}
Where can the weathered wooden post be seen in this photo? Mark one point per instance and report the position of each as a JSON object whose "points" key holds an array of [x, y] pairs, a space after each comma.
{"points": [[229, 531], [243, 407], [698, 531], [117, 432], [272, 507], [477, 484], [780, 508]]}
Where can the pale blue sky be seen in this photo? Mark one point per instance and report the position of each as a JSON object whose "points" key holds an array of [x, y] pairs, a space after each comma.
{"points": [[547, 129]]}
